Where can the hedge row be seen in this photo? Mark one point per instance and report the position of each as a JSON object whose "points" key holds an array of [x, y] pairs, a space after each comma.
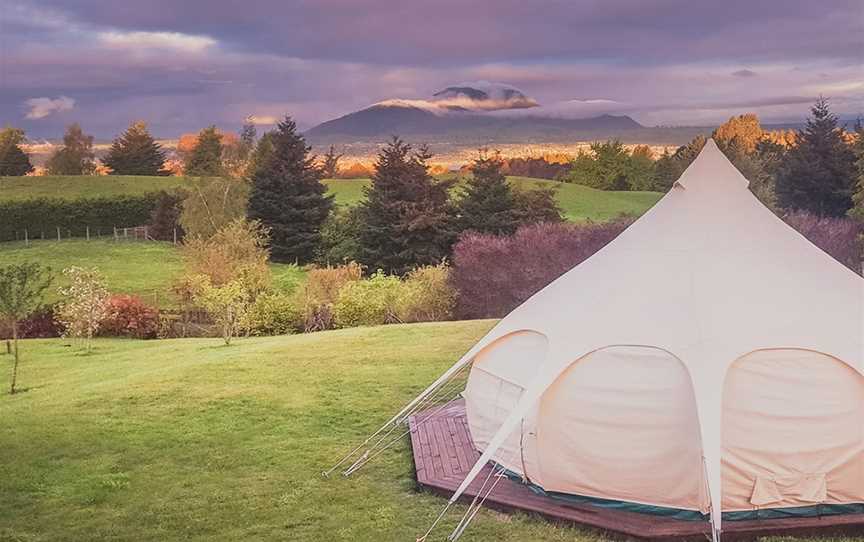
{"points": [[41, 217]]}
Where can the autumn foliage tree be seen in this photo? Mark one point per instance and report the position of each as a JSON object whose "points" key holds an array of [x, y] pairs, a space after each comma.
{"points": [[76, 156], [226, 272], [406, 216]]}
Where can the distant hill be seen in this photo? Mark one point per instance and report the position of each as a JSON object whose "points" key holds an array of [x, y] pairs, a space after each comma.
{"points": [[405, 119]]}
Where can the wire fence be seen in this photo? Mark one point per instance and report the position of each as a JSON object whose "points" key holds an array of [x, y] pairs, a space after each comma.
{"points": [[137, 233]]}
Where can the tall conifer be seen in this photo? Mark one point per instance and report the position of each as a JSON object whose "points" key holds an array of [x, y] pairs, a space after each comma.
{"points": [[288, 196], [406, 216]]}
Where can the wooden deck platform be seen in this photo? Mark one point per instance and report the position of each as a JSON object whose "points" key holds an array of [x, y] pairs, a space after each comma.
{"points": [[444, 453]]}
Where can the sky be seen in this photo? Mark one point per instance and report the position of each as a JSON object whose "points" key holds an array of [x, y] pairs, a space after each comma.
{"points": [[183, 65]]}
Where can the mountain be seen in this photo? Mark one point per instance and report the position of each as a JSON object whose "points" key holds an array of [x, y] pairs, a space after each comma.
{"points": [[409, 119]]}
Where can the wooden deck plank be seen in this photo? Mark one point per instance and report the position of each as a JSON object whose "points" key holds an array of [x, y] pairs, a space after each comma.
{"points": [[444, 452]]}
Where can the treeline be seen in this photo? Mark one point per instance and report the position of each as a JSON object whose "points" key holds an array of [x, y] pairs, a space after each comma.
{"points": [[819, 169]]}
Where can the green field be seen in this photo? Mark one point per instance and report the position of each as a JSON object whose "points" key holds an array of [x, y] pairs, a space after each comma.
{"points": [[187, 439], [147, 269], [73, 187], [578, 202]]}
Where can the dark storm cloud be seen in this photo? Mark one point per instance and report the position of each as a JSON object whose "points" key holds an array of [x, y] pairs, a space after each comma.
{"points": [[453, 32], [183, 65]]}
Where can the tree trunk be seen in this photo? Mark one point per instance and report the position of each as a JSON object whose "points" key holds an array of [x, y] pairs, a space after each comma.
{"points": [[15, 361]]}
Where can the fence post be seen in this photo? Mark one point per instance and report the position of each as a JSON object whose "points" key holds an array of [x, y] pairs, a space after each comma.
{"points": [[175, 236], [125, 233], [58, 233], [115, 234], [26, 238]]}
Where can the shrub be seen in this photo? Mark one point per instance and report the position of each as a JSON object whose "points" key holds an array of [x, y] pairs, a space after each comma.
{"points": [[237, 251], [536, 206], [839, 237], [370, 302], [316, 297], [227, 304], [427, 295], [211, 204], [42, 216], [273, 314], [165, 217], [493, 275], [39, 324], [128, 316], [339, 236]]}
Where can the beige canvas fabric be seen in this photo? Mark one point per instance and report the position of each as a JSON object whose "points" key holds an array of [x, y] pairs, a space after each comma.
{"points": [[709, 276]]}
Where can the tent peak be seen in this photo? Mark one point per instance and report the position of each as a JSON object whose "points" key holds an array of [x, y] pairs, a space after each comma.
{"points": [[711, 168]]}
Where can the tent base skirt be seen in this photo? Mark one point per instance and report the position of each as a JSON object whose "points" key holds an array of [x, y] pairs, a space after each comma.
{"points": [[444, 453]]}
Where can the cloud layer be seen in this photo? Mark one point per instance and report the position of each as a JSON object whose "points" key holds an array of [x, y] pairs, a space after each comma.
{"points": [[184, 65]]}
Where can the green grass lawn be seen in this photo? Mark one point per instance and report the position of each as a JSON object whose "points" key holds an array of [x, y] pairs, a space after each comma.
{"points": [[147, 269], [579, 203], [187, 439]]}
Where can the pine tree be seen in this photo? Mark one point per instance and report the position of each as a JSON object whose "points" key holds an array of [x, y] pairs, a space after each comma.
{"points": [[406, 216], [205, 160], [76, 156], [135, 152], [288, 196], [248, 134], [819, 172], [857, 212], [14, 162], [669, 168], [330, 164], [487, 204]]}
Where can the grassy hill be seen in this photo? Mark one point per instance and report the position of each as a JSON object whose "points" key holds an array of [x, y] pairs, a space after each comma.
{"points": [[578, 202], [190, 440], [145, 269], [76, 186]]}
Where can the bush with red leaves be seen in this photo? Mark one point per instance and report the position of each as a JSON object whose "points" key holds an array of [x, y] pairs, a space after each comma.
{"points": [[839, 237], [128, 316], [38, 325], [494, 275]]}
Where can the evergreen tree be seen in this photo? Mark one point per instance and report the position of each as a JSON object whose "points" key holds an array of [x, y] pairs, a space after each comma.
{"points": [[135, 152], [248, 134], [14, 162], [857, 212], [819, 172], [669, 168], [262, 152], [751, 167], [288, 196], [330, 164], [76, 156], [205, 160], [487, 204], [406, 220]]}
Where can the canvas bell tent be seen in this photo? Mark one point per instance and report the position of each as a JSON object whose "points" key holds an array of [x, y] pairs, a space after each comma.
{"points": [[706, 364]]}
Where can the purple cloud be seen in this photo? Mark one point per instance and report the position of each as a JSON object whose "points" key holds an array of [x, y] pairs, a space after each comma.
{"points": [[187, 64]]}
